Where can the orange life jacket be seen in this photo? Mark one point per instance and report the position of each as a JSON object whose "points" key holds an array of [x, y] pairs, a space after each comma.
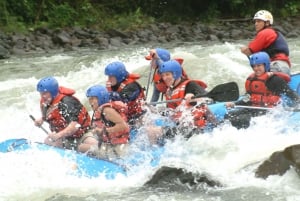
{"points": [[134, 106], [96, 120], [180, 60], [179, 92], [121, 137], [284, 76], [56, 120], [198, 112], [260, 95]]}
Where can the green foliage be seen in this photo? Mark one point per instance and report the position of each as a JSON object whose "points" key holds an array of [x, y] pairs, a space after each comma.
{"points": [[131, 14], [212, 12], [4, 14], [24, 10], [291, 8], [126, 22], [62, 15], [236, 5], [87, 14], [12, 25]]}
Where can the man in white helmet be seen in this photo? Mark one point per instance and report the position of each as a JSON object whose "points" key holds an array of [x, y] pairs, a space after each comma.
{"points": [[271, 41]]}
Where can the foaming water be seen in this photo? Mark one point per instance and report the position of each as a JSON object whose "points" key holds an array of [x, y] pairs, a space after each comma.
{"points": [[228, 155]]}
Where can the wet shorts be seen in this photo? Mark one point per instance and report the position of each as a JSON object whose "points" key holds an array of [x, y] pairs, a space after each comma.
{"points": [[72, 143]]}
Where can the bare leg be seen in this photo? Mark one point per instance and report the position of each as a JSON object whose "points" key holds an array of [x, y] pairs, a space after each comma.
{"points": [[154, 133], [88, 143]]}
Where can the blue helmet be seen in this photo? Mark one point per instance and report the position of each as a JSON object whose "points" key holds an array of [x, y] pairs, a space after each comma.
{"points": [[171, 66], [48, 84], [260, 58], [163, 54], [116, 69], [100, 92]]}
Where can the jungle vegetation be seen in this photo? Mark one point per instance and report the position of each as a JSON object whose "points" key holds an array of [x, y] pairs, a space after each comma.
{"points": [[24, 15]]}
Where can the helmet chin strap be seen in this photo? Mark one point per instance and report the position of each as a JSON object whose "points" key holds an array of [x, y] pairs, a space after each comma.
{"points": [[174, 83]]}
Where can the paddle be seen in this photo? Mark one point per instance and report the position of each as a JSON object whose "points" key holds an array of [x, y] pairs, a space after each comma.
{"points": [[220, 93], [253, 107], [148, 83], [266, 108], [223, 92], [33, 119]]}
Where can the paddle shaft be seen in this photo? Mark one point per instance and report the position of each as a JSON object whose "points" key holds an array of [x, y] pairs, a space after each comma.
{"points": [[174, 100], [253, 107], [33, 119], [166, 101], [148, 83], [265, 108], [221, 93]]}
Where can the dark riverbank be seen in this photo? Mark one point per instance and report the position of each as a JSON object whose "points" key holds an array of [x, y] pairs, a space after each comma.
{"points": [[44, 40]]}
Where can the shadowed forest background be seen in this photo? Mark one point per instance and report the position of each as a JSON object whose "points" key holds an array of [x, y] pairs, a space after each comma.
{"points": [[24, 15]]}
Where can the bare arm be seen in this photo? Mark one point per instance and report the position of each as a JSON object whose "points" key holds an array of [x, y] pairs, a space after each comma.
{"points": [[113, 116], [68, 131]]}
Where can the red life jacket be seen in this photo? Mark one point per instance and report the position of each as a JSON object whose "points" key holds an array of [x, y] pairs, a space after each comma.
{"points": [[96, 120], [260, 95], [179, 93], [272, 42], [180, 60], [199, 112], [135, 106], [284, 76], [56, 120], [121, 137], [159, 83]]}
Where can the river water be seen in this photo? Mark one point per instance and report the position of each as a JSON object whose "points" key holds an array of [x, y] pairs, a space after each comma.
{"points": [[228, 155]]}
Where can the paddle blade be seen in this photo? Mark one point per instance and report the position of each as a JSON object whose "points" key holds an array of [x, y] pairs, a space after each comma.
{"points": [[224, 92]]}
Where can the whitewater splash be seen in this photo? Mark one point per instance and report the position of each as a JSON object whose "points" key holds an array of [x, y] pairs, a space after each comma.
{"points": [[226, 154]]}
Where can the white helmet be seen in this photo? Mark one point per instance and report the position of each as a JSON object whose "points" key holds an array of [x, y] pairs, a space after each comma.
{"points": [[263, 15]]}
